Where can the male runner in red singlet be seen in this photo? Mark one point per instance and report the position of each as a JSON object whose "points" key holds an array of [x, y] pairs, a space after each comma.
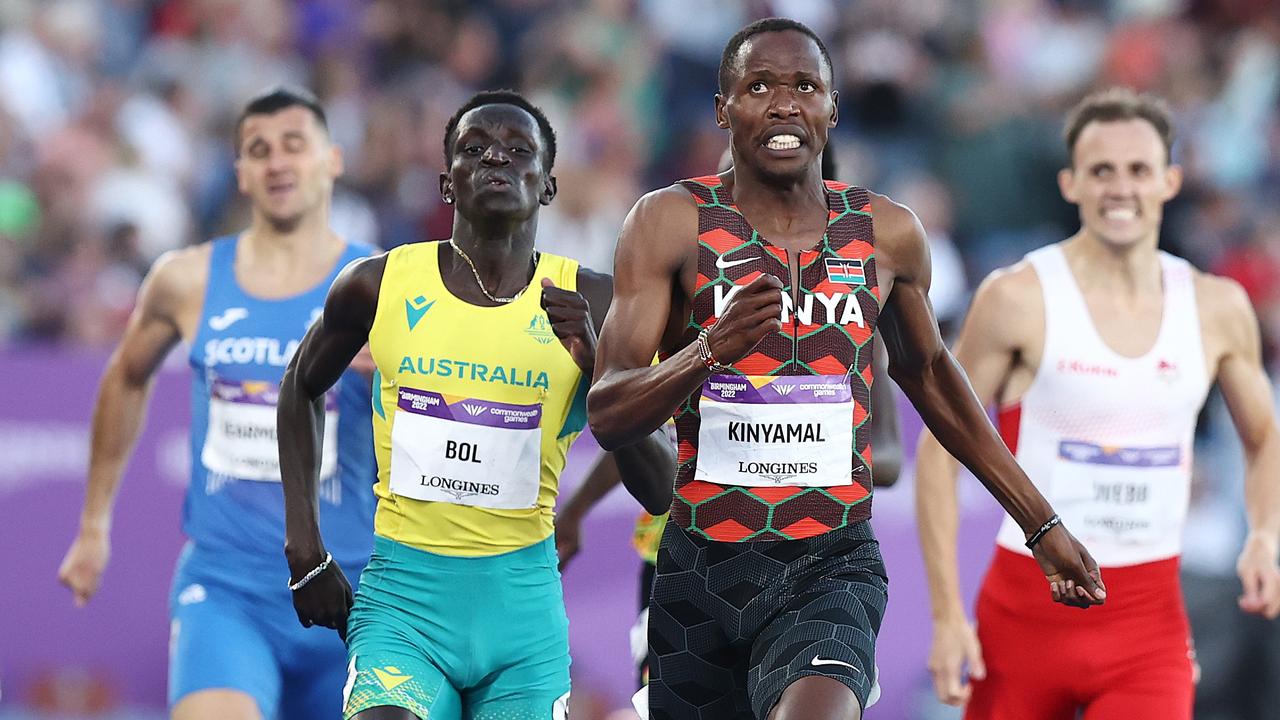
{"points": [[1100, 350], [770, 587]]}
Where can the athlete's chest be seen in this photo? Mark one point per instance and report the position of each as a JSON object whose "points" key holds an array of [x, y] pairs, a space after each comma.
{"points": [[238, 334], [511, 353]]}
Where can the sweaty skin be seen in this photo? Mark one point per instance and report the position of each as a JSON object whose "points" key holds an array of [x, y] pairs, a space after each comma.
{"points": [[498, 182], [782, 85], [1114, 260]]}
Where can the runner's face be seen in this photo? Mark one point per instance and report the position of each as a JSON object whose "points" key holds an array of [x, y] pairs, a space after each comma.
{"points": [[779, 105], [497, 164], [287, 164], [1120, 179]]}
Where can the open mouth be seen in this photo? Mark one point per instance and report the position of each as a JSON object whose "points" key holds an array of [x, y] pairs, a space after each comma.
{"points": [[496, 181]]}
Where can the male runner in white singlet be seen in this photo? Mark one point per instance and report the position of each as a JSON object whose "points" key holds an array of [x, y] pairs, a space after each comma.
{"points": [[1100, 350]]}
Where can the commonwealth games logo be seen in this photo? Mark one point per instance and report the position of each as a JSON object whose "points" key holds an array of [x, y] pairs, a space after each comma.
{"points": [[540, 329]]}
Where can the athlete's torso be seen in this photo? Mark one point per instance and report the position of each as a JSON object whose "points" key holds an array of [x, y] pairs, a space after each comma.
{"points": [[1108, 438], [778, 447], [475, 410], [235, 505]]}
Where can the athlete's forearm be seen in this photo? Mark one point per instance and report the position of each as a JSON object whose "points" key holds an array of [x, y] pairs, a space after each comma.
{"points": [[942, 395], [938, 523], [300, 433], [625, 405], [648, 470], [118, 416], [1262, 486]]}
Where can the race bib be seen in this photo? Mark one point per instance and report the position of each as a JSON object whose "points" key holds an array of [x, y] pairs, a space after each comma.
{"points": [[1126, 496], [466, 451], [241, 439], [769, 431]]}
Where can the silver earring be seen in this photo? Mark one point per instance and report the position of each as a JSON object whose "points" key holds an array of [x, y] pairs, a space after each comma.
{"points": [[448, 201]]}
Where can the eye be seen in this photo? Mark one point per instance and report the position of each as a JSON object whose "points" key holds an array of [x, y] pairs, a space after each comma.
{"points": [[472, 149], [521, 150], [757, 87], [295, 144], [805, 86]]}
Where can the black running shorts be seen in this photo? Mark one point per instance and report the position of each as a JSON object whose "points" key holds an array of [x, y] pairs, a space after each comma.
{"points": [[731, 625]]}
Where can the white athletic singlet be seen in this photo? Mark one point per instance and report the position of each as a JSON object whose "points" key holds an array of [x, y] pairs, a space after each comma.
{"points": [[1107, 438]]}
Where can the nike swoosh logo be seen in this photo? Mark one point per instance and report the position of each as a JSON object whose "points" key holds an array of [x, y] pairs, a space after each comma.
{"points": [[819, 662], [726, 264], [229, 316]]}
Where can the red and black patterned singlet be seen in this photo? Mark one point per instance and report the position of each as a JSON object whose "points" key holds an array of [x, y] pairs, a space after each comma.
{"points": [[827, 330]]}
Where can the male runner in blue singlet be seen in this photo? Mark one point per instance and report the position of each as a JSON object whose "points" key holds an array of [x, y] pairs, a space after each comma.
{"points": [[242, 303]]}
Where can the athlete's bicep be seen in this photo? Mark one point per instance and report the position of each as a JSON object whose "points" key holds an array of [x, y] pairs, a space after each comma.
{"points": [[154, 327], [647, 267], [338, 335], [1241, 376], [987, 344]]}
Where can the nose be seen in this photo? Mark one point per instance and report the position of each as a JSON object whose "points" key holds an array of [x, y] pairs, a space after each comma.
{"points": [[495, 154], [783, 105]]}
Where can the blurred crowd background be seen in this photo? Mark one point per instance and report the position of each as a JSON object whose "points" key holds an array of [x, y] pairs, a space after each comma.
{"points": [[116, 120]]}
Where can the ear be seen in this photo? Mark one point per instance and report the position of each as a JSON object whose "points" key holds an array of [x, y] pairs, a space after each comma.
{"points": [[835, 108], [1066, 185], [1172, 181], [722, 117], [548, 190], [337, 164], [446, 189]]}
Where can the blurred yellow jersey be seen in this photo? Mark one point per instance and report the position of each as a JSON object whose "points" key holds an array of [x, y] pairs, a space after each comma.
{"points": [[474, 410]]}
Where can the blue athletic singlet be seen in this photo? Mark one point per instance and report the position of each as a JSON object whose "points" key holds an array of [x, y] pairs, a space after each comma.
{"points": [[232, 622], [234, 506]]}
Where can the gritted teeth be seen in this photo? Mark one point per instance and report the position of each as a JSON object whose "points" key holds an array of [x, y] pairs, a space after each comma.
{"points": [[783, 142], [1119, 213]]}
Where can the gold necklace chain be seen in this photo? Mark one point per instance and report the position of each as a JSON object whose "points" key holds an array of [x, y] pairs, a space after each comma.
{"points": [[480, 284]]}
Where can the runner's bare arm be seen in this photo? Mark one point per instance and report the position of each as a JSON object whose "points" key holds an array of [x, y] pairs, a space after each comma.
{"points": [[632, 398], [886, 436], [326, 351], [171, 293], [987, 347], [1249, 394], [646, 468], [324, 354], [926, 371]]}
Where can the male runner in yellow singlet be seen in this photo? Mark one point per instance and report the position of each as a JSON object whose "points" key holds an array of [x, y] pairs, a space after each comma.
{"points": [[484, 351]]}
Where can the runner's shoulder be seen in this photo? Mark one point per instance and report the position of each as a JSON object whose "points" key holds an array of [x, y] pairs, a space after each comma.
{"points": [[1225, 308], [178, 278], [665, 209]]}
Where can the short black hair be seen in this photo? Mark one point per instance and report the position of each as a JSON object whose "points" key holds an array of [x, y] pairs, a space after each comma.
{"points": [[276, 99], [502, 97], [773, 24]]}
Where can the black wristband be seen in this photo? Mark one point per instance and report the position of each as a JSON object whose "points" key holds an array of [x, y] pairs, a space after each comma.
{"points": [[1046, 527]]}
